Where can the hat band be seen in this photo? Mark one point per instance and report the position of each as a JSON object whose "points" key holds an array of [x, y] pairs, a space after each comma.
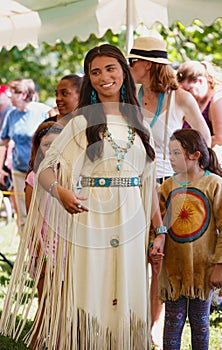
{"points": [[152, 53]]}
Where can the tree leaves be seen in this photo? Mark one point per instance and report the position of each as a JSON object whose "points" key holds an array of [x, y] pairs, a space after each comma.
{"points": [[47, 64]]}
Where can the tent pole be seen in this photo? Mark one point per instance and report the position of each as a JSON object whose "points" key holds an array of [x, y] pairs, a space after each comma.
{"points": [[129, 25]]}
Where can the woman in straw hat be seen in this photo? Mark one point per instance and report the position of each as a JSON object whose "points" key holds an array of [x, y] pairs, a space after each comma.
{"points": [[165, 107]]}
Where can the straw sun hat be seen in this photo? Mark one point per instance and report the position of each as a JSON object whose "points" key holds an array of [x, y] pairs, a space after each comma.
{"points": [[149, 49]]}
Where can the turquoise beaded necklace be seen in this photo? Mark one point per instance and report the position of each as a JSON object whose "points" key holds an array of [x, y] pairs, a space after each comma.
{"points": [[160, 103], [120, 152]]}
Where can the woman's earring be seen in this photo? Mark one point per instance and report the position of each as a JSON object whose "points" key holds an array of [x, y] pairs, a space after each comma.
{"points": [[93, 97], [123, 93]]}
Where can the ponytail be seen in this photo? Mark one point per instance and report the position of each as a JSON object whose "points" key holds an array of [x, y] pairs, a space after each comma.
{"points": [[214, 165], [192, 140]]}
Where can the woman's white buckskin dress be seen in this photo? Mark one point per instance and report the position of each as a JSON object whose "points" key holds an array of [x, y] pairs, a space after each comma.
{"points": [[95, 289]]}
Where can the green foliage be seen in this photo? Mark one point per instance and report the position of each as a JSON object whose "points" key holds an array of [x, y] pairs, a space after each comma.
{"points": [[196, 42], [47, 64]]}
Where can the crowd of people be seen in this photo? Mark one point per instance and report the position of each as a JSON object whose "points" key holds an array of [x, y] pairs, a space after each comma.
{"points": [[19, 126], [123, 192]]}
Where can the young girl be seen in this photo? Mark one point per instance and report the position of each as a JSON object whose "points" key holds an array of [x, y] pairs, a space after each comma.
{"points": [[191, 203], [42, 139]]}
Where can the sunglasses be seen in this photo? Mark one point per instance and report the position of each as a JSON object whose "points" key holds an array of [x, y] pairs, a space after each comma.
{"points": [[132, 61], [17, 92]]}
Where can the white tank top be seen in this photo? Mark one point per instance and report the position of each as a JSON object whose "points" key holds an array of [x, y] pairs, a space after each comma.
{"points": [[163, 167]]}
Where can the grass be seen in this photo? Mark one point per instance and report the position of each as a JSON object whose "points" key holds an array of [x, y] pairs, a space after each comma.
{"points": [[9, 241]]}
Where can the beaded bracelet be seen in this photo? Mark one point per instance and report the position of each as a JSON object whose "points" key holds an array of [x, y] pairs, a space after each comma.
{"points": [[161, 230], [52, 186], [150, 245]]}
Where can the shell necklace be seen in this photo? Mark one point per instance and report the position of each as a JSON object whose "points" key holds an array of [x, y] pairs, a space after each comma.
{"points": [[120, 152]]}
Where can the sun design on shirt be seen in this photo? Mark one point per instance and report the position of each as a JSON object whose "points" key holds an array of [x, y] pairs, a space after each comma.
{"points": [[185, 212], [188, 214], [186, 217]]}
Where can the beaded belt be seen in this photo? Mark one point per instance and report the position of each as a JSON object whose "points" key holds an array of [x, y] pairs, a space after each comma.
{"points": [[110, 181]]}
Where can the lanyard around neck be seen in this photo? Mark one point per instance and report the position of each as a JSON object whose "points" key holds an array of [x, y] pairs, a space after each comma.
{"points": [[160, 103]]}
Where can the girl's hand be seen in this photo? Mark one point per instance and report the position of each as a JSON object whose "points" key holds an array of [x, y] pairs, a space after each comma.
{"points": [[156, 264], [158, 246], [69, 200], [216, 277], [156, 251], [155, 258]]}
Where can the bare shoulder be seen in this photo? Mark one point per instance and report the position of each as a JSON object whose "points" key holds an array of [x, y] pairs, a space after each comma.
{"points": [[217, 95], [186, 104], [183, 97]]}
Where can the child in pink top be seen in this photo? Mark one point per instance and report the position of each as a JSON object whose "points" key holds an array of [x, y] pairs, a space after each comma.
{"points": [[42, 139]]}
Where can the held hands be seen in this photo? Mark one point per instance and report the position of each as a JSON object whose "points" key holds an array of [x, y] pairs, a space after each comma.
{"points": [[156, 254], [70, 201], [216, 277]]}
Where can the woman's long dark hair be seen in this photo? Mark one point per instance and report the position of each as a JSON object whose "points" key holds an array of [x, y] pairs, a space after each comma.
{"points": [[129, 108], [192, 141]]}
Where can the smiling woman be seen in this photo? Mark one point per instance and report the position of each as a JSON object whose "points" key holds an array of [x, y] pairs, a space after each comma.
{"points": [[99, 174], [106, 77], [67, 94], [67, 97]]}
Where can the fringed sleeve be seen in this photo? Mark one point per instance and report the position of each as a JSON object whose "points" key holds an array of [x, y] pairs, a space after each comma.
{"points": [[45, 252]]}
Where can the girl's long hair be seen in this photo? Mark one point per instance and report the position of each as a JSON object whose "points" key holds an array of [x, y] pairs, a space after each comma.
{"points": [[94, 113], [192, 141]]}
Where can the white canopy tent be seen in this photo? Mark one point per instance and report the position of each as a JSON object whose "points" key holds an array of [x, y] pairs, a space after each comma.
{"points": [[65, 19], [18, 25]]}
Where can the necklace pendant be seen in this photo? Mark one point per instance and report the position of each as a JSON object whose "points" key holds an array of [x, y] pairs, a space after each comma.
{"points": [[120, 151]]}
